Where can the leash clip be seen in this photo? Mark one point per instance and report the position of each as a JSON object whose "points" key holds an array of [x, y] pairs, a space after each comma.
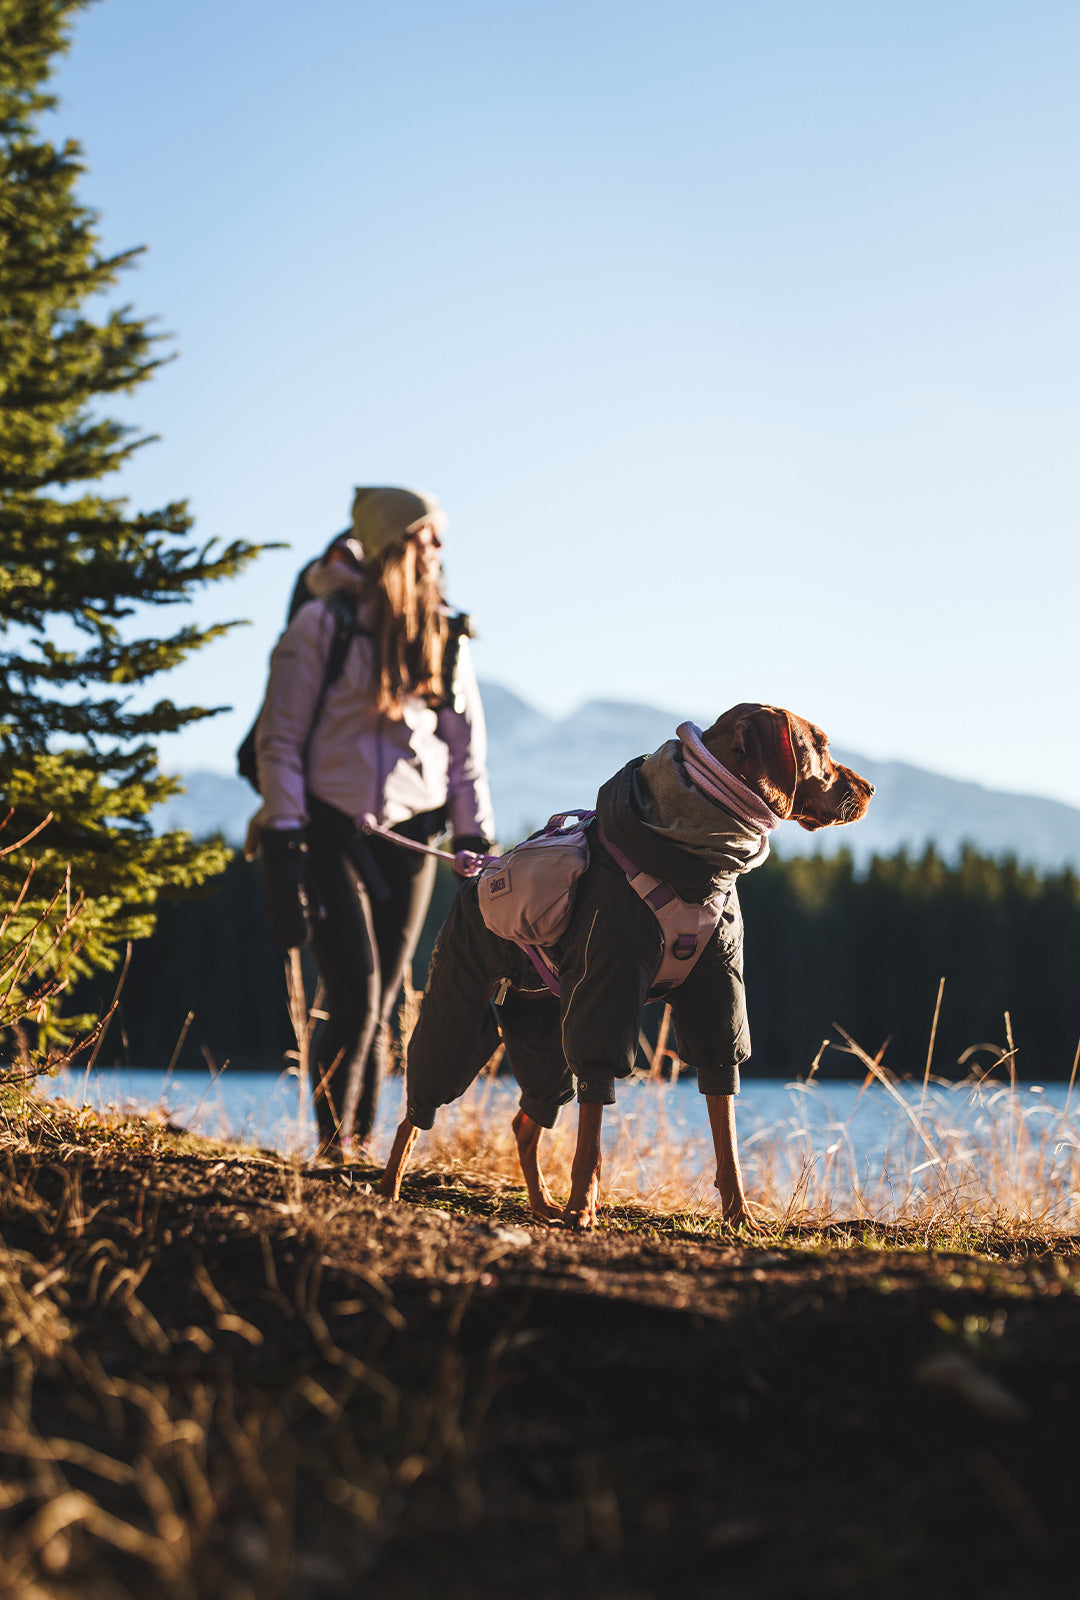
{"points": [[466, 863]]}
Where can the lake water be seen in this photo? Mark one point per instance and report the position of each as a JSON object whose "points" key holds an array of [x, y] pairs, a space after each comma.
{"points": [[819, 1143]]}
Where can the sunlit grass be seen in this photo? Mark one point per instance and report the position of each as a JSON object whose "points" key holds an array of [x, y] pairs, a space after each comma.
{"points": [[971, 1156], [979, 1157], [181, 1412]]}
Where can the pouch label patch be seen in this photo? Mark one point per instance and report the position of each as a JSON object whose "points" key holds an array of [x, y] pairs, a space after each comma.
{"points": [[500, 884]]}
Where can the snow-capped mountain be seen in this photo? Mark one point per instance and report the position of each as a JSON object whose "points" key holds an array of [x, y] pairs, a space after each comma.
{"points": [[541, 764]]}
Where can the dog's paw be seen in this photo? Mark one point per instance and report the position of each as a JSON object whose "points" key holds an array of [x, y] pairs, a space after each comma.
{"points": [[389, 1186], [740, 1216], [579, 1220], [546, 1211]]}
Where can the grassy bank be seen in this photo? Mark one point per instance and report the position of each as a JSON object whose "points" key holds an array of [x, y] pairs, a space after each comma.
{"points": [[225, 1374], [985, 1156]]}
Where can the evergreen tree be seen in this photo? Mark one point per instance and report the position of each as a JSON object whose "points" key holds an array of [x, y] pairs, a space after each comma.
{"points": [[81, 574]]}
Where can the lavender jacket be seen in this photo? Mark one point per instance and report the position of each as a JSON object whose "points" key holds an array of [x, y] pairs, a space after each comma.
{"points": [[359, 759]]}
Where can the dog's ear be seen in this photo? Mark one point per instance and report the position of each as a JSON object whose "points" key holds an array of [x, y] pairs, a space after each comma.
{"points": [[762, 741]]}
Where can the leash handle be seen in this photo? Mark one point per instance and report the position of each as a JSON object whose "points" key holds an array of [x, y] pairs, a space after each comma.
{"points": [[466, 863]]}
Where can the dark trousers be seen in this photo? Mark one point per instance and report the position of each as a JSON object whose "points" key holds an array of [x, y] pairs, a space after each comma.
{"points": [[371, 897]]}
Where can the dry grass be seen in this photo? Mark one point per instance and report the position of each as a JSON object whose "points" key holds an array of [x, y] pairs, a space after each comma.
{"points": [[976, 1156], [172, 1423], [164, 1414], [205, 1390], [984, 1155], [252, 1412]]}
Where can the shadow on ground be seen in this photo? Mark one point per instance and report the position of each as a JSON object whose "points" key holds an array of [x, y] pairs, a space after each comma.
{"points": [[223, 1376]]}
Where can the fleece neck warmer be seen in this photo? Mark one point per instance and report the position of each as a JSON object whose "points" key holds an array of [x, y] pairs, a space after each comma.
{"points": [[656, 813], [715, 780]]}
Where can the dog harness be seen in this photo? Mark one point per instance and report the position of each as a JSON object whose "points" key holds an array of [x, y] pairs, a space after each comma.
{"points": [[686, 927], [561, 854]]}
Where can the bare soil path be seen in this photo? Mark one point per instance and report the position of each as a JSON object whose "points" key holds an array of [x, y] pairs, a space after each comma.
{"points": [[220, 1375]]}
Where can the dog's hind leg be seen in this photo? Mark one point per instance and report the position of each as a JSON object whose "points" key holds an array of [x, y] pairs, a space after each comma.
{"points": [[527, 1133], [404, 1139], [455, 1033]]}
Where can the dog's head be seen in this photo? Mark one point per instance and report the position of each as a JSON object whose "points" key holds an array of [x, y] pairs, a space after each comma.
{"points": [[786, 760]]}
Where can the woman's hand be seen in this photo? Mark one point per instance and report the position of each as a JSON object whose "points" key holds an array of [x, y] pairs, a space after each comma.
{"points": [[474, 842], [471, 851]]}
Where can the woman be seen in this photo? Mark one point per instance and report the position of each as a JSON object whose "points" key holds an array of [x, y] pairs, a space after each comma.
{"points": [[372, 706]]}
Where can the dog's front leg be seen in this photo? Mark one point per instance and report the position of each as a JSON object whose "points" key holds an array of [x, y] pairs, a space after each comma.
{"points": [[729, 1179], [528, 1133], [404, 1139], [580, 1209]]}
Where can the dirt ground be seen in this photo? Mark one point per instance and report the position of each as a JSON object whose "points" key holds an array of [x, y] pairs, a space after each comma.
{"points": [[249, 1380]]}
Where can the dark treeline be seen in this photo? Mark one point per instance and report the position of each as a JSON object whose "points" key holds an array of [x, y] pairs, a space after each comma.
{"points": [[826, 945], [211, 955]]}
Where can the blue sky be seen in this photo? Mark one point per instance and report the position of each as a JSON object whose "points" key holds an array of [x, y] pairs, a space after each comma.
{"points": [[739, 340]]}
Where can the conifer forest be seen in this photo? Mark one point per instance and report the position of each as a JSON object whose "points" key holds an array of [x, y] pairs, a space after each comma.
{"points": [[827, 946]]}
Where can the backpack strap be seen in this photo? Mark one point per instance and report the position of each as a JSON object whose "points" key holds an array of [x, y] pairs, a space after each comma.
{"points": [[346, 628], [459, 626], [547, 969]]}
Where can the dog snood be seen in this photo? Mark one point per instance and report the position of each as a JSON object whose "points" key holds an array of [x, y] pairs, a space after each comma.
{"points": [[656, 814], [719, 783]]}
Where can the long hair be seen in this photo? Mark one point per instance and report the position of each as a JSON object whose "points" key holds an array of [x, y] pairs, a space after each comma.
{"points": [[409, 629]]}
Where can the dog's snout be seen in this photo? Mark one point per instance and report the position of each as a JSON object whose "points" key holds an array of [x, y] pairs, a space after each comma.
{"points": [[870, 788]]}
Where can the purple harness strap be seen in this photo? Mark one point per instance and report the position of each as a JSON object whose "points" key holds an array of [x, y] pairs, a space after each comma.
{"points": [[684, 947], [622, 860], [550, 977]]}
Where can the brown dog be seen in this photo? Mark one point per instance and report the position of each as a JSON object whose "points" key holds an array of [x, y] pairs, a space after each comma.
{"points": [[695, 814]]}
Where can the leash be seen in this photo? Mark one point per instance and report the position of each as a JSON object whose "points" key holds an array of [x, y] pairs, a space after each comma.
{"points": [[466, 863]]}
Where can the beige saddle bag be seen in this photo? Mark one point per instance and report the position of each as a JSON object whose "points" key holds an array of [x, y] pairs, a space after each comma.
{"points": [[527, 895]]}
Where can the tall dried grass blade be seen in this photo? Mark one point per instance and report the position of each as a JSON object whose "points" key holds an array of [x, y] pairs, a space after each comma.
{"points": [[302, 1025], [930, 1047], [883, 1078], [1072, 1078], [1011, 1051], [656, 1067]]}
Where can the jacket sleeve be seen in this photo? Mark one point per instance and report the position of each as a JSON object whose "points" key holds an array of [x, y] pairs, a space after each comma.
{"points": [[465, 736], [607, 962], [297, 670]]}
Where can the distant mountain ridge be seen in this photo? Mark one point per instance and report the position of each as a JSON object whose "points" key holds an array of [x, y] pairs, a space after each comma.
{"points": [[541, 764]]}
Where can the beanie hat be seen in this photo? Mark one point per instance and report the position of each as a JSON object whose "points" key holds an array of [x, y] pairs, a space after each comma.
{"points": [[380, 517]]}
